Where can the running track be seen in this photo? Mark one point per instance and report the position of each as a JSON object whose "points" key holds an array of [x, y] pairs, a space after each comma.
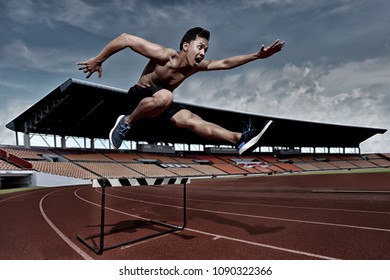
{"points": [[345, 216]]}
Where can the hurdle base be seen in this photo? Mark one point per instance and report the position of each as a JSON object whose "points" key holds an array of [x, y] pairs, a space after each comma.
{"points": [[101, 248]]}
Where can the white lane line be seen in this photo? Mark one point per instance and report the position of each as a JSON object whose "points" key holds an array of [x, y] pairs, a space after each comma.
{"points": [[16, 196], [293, 220], [265, 205], [125, 247], [112, 209], [60, 233], [120, 212], [258, 216], [218, 236], [12, 197]]}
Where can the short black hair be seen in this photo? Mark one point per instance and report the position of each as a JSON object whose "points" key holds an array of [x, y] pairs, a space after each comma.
{"points": [[191, 34]]}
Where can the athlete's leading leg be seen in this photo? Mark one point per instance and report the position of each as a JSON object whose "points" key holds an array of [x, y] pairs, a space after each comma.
{"points": [[149, 107]]}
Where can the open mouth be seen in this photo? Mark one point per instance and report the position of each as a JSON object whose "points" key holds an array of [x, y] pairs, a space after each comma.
{"points": [[198, 59]]}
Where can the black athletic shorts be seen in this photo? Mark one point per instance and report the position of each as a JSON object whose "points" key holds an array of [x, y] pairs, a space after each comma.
{"points": [[137, 93]]}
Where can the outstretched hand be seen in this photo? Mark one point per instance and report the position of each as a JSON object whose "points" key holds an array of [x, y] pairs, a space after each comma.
{"points": [[90, 66], [270, 50]]}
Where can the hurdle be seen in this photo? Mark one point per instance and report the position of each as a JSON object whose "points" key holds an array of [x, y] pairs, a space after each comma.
{"points": [[103, 183]]}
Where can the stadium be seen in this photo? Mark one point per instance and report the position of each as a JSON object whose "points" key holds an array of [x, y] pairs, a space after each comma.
{"points": [[306, 193]]}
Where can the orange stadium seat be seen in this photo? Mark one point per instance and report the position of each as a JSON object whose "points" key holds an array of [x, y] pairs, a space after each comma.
{"points": [[7, 166], [230, 169], [27, 153], [150, 170], [63, 168], [82, 155], [208, 169], [121, 156], [110, 170]]}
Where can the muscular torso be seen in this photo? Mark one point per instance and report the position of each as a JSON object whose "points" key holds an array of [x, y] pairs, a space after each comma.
{"points": [[168, 75]]}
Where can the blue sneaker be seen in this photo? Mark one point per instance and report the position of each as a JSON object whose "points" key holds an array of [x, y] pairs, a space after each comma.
{"points": [[119, 132], [250, 137]]}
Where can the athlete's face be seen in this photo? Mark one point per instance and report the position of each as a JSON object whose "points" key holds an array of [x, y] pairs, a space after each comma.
{"points": [[196, 50]]}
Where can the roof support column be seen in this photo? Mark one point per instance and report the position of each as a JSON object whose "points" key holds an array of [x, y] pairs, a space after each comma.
{"points": [[63, 142], [16, 138], [26, 138]]}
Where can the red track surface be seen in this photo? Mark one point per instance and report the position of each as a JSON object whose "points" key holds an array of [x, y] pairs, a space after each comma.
{"points": [[269, 217]]}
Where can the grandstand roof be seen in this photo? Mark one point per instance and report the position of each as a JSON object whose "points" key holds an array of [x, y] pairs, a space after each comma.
{"points": [[83, 109]]}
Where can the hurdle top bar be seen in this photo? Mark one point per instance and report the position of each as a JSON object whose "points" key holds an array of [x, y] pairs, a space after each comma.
{"points": [[127, 182]]}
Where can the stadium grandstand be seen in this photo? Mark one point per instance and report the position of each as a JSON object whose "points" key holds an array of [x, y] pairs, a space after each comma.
{"points": [[79, 109]]}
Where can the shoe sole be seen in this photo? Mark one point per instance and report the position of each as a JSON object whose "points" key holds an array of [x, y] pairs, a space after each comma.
{"points": [[255, 139], [112, 131]]}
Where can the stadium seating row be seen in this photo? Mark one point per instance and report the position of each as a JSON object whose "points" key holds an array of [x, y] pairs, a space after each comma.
{"points": [[4, 165], [89, 164]]}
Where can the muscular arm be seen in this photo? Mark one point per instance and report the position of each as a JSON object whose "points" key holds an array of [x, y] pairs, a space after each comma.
{"points": [[235, 61], [231, 62], [155, 52]]}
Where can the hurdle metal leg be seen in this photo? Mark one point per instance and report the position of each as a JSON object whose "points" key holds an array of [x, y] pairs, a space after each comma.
{"points": [[171, 228]]}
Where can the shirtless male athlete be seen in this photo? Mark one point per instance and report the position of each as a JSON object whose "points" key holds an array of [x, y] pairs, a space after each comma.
{"points": [[165, 71]]}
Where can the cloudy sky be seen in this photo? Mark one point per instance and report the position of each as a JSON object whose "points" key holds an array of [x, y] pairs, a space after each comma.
{"points": [[335, 67]]}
